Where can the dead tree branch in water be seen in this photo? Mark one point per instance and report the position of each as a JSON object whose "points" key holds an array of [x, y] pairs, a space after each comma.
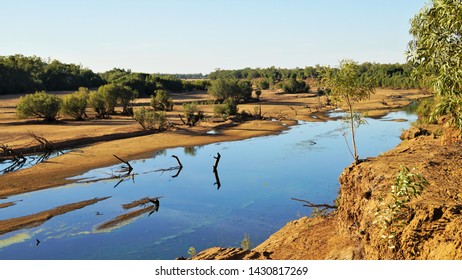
{"points": [[215, 171], [217, 179], [45, 145], [17, 159], [322, 207], [179, 162], [179, 168], [128, 169], [217, 160]]}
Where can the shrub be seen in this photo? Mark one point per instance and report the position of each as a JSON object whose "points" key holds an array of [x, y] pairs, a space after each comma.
{"points": [[228, 108], [109, 95], [161, 101], [125, 96], [450, 106], [40, 105], [192, 113], [223, 89], [74, 105], [424, 109], [407, 185], [150, 119], [258, 93], [264, 84], [294, 86], [192, 252], [97, 102], [246, 243]]}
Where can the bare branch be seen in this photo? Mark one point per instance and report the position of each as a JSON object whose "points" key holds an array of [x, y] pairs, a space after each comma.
{"points": [[312, 205], [129, 167]]}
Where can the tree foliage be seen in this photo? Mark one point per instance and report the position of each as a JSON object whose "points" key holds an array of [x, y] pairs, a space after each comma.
{"points": [[125, 97], [436, 54], [192, 113], [228, 108], [436, 49], [292, 85], [115, 94], [396, 76], [109, 95], [347, 88], [96, 100], [145, 83], [39, 105], [150, 119], [222, 89], [20, 74], [75, 104], [161, 101]]}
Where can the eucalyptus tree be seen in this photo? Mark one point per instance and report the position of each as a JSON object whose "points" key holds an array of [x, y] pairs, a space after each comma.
{"points": [[436, 54], [347, 88]]}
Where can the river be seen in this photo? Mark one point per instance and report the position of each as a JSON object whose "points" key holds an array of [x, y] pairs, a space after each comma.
{"points": [[257, 179]]}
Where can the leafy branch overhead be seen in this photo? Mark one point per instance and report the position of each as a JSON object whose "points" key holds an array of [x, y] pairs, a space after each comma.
{"points": [[436, 55]]}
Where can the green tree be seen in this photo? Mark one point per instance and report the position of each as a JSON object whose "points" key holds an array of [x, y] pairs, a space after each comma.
{"points": [[347, 88], [436, 54], [222, 89], [228, 108], [150, 119], [97, 102], [294, 86], [244, 93], [40, 105], [161, 101], [126, 96], [109, 93], [74, 104], [192, 113]]}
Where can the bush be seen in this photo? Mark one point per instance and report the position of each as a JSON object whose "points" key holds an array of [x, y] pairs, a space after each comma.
{"points": [[408, 184], [97, 102], [228, 108], [264, 84], [222, 89], [294, 86], [161, 101], [74, 105], [192, 113], [125, 96], [150, 119], [258, 93], [40, 105], [109, 95]]}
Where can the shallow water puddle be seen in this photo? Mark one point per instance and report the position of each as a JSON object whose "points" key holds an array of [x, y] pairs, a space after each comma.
{"points": [[258, 177]]}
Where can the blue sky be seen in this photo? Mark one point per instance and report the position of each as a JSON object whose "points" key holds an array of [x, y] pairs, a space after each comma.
{"points": [[198, 36]]}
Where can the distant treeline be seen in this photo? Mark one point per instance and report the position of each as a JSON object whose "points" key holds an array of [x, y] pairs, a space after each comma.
{"points": [[20, 74], [397, 76], [146, 84], [23, 74]]}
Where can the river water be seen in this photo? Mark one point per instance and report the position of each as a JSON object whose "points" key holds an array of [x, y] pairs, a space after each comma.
{"points": [[258, 177]]}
